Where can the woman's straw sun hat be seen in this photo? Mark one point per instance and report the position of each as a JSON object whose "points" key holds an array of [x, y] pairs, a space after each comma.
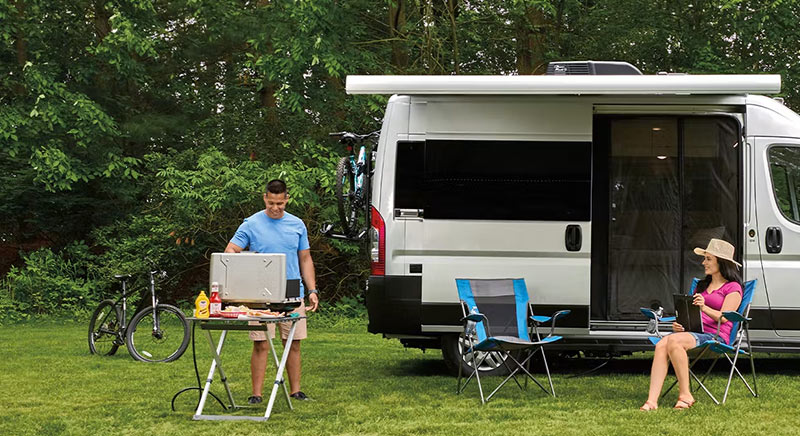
{"points": [[719, 248]]}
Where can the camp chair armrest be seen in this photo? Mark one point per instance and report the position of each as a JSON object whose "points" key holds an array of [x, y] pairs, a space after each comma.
{"points": [[555, 317], [735, 316], [717, 336], [560, 314], [541, 319], [653, 315], [470, 323], [475, 316], [650, 313]]}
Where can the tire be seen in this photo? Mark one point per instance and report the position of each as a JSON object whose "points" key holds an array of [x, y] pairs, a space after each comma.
{"points": [[346, 196], [166, 344], [104, 327], [451, 352]]}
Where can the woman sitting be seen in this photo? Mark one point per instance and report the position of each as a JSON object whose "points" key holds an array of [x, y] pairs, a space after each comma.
{"points": [[719, 291]]}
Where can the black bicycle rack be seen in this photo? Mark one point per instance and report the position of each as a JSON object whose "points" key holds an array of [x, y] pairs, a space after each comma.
{"points": [[351, 140], [327, 231]]}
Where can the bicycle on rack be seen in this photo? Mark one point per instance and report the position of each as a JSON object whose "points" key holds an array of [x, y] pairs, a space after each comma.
{"points": [[157, 332], [353, 174]]}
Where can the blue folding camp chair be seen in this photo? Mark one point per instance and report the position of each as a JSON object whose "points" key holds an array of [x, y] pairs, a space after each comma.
{"points": [[506, 303], [739, 342]]}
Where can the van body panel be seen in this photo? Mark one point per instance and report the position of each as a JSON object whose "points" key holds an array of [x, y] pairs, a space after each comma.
{"points": [[492, 117], [446, 249], [534, 251], [769, 118], [417, 298], [776, 164], [395, 126]]}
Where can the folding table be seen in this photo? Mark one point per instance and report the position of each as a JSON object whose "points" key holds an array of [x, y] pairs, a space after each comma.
{"points": [[224, 325]]}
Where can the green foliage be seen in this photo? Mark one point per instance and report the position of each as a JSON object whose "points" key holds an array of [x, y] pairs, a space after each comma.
{"points": [[52, 282], [346, 312], [149, 128], [10, 310]]}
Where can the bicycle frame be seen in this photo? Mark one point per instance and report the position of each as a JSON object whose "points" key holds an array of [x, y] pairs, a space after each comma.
{"points": [[359, 167], [141, 306], [154, 300]]}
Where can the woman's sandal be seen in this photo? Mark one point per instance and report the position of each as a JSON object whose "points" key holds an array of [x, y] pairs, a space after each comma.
{"points": [[682, 404], [646, 407]]}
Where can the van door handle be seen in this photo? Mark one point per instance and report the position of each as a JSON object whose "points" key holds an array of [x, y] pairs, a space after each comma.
{"points": [[774, 240], [409, 213], [573, 238]]}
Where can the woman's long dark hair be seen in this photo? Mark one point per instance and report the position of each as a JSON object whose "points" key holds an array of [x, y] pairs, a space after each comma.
{"points": [[727, 269]]}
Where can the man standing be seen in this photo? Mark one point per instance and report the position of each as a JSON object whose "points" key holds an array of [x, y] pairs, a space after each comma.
{"points": [[274, 230]]}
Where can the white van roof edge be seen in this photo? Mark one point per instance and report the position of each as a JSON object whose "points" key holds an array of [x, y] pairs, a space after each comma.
{"points": [[570, 85]]}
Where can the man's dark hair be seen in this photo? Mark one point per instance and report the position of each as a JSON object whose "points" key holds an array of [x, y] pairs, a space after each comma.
{"points": [[277, 186]]}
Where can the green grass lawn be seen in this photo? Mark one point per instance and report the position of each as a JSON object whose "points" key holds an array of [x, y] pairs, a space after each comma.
{"points": [[362, 384]]}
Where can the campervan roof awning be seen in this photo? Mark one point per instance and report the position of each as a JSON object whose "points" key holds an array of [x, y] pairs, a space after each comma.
{"points": [[568, 85]]}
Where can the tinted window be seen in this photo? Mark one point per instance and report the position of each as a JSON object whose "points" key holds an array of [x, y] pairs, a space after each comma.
{"points": [[784, 164], [500, 180]]}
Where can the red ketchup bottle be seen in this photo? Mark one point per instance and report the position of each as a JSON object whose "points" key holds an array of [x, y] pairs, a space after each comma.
{"points": [[215, 300]]}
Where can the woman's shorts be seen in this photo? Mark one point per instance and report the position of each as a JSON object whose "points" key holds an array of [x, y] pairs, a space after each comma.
{"points": [[701, 338]]}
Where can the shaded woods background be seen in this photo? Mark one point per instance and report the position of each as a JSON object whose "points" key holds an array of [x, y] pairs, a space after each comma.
{"points": [[148, 128]]}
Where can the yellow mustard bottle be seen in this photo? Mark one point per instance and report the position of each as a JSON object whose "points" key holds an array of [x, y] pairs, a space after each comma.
{"points": [[201, 305]]}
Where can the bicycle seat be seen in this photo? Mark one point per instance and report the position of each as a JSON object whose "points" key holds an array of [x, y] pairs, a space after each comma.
{"points": [[122, 276]]}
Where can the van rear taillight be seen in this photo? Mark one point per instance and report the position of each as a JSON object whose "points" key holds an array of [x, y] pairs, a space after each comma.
{"points": [[377, 247]]}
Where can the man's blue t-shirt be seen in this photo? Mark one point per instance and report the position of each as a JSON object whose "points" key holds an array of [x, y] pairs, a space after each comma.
{"points": [[261, 234]]}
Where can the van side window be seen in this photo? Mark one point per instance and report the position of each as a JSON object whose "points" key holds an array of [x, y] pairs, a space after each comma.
{"points": [[495, 180], [784, 164], [408, 175]]}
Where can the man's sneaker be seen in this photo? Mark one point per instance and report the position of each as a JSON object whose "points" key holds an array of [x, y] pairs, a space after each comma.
{"points": [[255, 399], [300, 396]]}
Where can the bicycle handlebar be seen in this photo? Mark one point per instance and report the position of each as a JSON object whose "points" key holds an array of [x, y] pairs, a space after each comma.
{"points": [[353, 137]]}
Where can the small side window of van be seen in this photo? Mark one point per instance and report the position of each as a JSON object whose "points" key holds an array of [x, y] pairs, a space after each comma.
{"points": [[784, 164], [495, 180]]}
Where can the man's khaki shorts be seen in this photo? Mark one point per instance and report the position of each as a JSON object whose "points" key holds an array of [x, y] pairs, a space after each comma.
{"points": [[300, 332]]}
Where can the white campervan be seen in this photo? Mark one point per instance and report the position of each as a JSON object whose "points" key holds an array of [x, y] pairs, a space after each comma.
{"points": [[593, 188]]}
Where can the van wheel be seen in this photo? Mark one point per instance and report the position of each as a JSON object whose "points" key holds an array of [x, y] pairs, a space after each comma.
{"points": [[451, 352]]}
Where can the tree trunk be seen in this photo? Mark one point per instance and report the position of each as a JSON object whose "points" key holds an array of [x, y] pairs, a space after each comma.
{"points": [[337, 85], [19, 42], [397, 23], [532, 41], [102, 25], [452, 11]]}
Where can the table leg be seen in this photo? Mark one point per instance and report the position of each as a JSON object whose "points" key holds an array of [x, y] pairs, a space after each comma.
{"points": [[218, 361], [279, 374], [282, 379], [216, 350]]}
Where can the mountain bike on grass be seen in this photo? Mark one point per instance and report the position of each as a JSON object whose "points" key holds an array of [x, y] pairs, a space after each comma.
{"points": [[157, 332], [352, 182]]}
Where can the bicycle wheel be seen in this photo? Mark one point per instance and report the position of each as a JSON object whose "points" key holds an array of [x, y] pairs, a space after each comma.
{"points": [[346, 195], [104, 329], [165, 344]]}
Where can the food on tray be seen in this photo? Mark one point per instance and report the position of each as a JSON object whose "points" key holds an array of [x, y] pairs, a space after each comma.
{"points": [[265, 312], [235, 311]]}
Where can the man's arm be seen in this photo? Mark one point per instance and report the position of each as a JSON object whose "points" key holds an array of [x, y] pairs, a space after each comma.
{"points": [[309, 277], [233, 248]]}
